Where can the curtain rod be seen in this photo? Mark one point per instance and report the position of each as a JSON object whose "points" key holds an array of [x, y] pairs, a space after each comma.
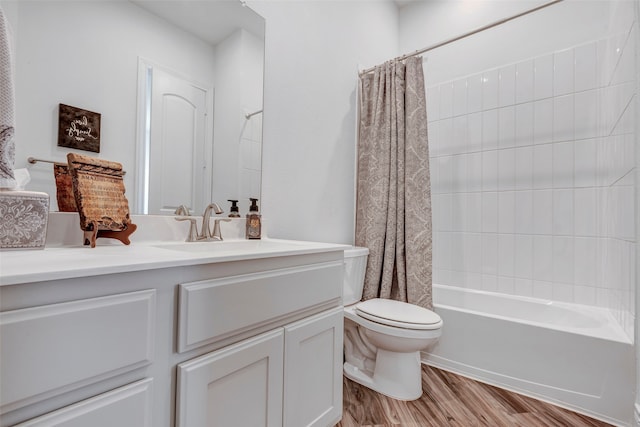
{"points": [[465, 35]]}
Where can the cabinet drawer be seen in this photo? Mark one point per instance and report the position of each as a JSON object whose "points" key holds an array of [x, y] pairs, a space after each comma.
{"points": [[215, 309], [56, 348], [128, 406]]}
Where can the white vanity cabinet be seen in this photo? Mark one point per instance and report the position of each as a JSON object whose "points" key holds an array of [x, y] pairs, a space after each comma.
{"points": [[239, 342], [290, 376]]}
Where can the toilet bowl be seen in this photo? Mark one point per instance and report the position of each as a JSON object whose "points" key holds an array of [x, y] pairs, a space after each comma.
{"points": [[383, 338]]}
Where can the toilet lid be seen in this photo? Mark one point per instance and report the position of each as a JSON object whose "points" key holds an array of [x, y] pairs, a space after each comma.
{"points": [[398, 313]]}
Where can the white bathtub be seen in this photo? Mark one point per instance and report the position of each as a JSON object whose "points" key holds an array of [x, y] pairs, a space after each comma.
{"points": [[575, 356]]}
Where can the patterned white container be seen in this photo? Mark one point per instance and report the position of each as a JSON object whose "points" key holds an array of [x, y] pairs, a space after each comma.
{"points": [[23, 219]]}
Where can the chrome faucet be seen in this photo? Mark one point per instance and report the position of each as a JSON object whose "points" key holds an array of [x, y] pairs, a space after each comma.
{"points": [[205, 233]]}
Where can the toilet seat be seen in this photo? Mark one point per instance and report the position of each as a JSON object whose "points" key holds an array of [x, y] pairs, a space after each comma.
{"points": [[398, 314]]}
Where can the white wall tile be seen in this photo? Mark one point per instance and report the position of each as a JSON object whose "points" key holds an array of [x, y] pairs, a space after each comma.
{"points": [[490, 89], [586, 115], [524, 212], [523, 256], [459, 140], [524, 168], [506, 169], [474, 172], [489, 253], [543, 166], [563, 63], [543, 121], [474, 132], [562, 292], [585, 163], [506, 254], [489, 129], [524, 81], [563, 164], [506, 212], [585, 261], [543, 77], [507, 86], [459, 173], [506, 127], [543, 212], [542, 258], [446, 136], [523, 287], [524, 124], [460, 97], [585, 295], [445, 174], [489, 282], [585, 215], [435, 141], [490, 170], [563, 216], [542, 289], [473, 252], [490, 212], [458, 208], [473, 215], [563, 118], [444, 252], [445, 202], [457, 254], [585, 71], [563, 257], [506, 285], [446, 100], [474, 93], [433, 103]]}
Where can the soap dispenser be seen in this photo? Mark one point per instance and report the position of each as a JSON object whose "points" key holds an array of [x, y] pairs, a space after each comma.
{"points": [[234, 212], [254, 221]]}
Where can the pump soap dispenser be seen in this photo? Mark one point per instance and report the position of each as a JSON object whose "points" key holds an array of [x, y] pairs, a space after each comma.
{"points": [[234, 212], [254, 221]]}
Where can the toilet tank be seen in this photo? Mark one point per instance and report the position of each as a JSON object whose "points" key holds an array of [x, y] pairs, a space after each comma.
{"points": [[355, 265]]}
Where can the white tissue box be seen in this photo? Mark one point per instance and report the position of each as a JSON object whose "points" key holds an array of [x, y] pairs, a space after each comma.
{"points": [[23, 219]]}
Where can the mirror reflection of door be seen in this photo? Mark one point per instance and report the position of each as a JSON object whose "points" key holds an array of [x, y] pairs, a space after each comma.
{"points": [[176, 140]]}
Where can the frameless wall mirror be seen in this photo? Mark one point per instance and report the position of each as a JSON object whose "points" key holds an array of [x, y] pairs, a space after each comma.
{"points": [[178, 84]]}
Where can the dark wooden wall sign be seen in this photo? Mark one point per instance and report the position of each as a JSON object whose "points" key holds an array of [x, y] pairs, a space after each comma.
{"points": [[78, 128]]}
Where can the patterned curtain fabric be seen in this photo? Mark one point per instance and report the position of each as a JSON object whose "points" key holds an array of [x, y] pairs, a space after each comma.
{"points": [[7, 105], [393, 215]]}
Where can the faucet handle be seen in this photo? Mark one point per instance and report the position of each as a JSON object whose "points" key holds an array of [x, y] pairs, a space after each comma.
{"points": [[182, 210], [217, 234], [193, 228]]}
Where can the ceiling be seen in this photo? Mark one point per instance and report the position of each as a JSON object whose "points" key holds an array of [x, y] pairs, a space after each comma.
{"points": [[210, 20]]}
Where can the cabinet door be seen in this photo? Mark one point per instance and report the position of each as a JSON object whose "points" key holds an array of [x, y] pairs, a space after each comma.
{"points": [[127, 406], [237, 386], [313, 370]]}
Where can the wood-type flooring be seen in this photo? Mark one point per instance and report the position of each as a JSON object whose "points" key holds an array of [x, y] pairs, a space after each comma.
{"points": [[452, 400]]}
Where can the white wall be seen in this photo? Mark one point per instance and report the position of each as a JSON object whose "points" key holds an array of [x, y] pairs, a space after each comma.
{"points": [[313, 49], [531, 137], [85, 54]]}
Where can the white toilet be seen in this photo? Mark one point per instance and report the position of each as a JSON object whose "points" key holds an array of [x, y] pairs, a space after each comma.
{"points": [[382, 337]]}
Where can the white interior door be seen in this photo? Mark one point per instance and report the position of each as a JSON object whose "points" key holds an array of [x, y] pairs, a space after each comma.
{"points": [[179, 170]]}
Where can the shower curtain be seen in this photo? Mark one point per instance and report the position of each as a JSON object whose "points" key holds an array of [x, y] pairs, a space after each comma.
{"points": [[393, 213]]}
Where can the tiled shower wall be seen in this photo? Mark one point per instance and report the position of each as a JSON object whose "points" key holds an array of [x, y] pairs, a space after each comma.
{"points": [[533, 174]]}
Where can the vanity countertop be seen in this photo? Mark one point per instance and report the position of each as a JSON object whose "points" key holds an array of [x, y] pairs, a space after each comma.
{"points": [[158, 243], [53, 263]]}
